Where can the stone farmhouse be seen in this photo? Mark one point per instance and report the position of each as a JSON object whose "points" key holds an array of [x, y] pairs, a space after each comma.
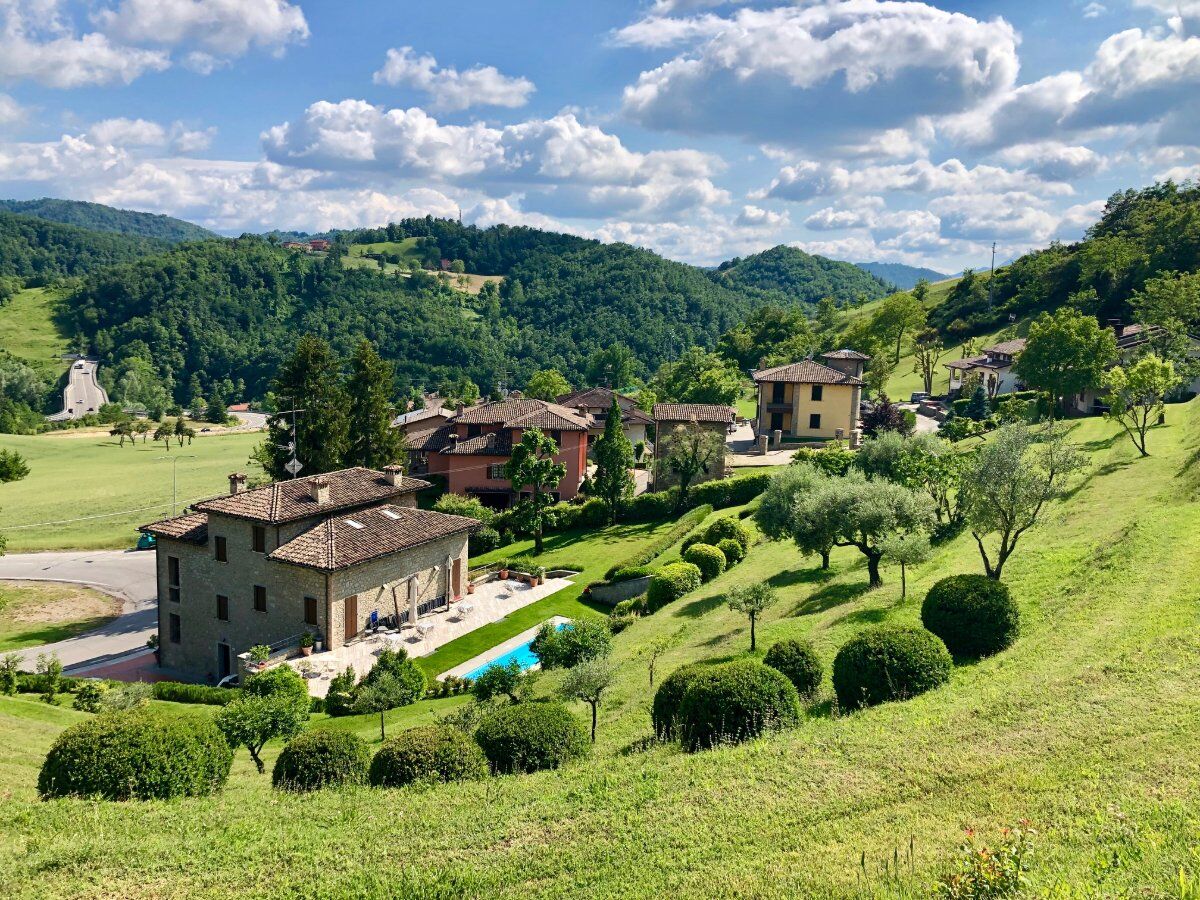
{"points": [[471, 449], [670, 416], [810, 400], [328, 555], [597, 402]]}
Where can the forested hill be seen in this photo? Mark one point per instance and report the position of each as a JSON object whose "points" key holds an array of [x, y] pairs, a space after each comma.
{"points": [[1142, 234], [903, 277], [98, 217], [38, 251], [801, 277]]}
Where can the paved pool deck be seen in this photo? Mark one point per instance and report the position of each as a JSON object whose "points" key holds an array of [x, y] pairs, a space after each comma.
{"points": [[500, 649]]}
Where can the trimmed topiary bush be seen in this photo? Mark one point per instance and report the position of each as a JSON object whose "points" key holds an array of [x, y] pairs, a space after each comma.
{"points": [[889, 662], [799, 662], [733, 551], [430, 753], [973, 614], [664, 712], [670, 583], [734, 702], [729, 528], [136, 755], [690, 541], [707, 558], [320, 759], [529, 737]]}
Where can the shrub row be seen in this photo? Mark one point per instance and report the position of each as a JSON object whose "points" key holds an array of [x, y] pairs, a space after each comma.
{"points": [[670, 583], [177, 692], [686, 523]]}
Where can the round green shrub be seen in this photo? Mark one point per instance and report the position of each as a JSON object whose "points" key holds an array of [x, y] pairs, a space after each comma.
{"points": [[707, 558], [529, 737], [799, 662], [733, 551], [889, 662], [729, 528], [670, 583], [734, 702], [973, 614], [690, 541], [664, 711], [136, 755], [430, 753], [321, 758]]}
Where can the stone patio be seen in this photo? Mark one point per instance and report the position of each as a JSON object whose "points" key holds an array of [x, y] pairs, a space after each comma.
{"points": [[491, 602]]}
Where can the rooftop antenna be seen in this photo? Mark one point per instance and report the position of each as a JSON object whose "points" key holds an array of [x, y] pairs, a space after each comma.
{"points": [[992, 277], [293, 465]]}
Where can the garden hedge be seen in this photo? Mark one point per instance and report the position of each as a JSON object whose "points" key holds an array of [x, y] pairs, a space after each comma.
{"points": [[321, 758], [136, 755], [730, 491], [889, 662], [685, 524], [664, 711], [707, 558], [177, 692], [529, 737], [733, 551], [799, 663], [729, 528], [734, 702], [429, 753], [973, 614], [670, 583]]}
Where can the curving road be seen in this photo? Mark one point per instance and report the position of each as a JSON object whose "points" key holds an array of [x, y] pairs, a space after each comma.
{"points": [[125, 574], [82, 394]]}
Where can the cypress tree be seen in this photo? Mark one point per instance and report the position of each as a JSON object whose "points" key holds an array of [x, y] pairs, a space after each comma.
{"points": [[309, 380], [614, 460], [374, 443]]}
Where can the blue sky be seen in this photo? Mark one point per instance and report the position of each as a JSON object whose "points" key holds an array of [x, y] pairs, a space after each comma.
{"points": [[859, 129]]}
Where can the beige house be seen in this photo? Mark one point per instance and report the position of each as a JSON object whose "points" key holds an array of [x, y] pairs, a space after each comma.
{"points": [[670, 416], [597, 402], [810, 400], [328, 555]]}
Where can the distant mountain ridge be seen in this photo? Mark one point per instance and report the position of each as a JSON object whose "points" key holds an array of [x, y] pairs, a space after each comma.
{"points": [[801, 277], [903, 277], [97, 217]]}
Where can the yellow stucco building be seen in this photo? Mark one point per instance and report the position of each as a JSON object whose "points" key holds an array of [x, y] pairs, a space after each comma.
{"points": [[811, 400]]}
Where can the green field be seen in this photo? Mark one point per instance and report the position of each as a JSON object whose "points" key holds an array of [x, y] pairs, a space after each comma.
{"points": [[84, 492], [27, 330], [1086, 727], [34, 612]]}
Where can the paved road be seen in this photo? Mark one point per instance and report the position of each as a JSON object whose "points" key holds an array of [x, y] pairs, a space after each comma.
{"points": [[128, 575], [82, 393]]}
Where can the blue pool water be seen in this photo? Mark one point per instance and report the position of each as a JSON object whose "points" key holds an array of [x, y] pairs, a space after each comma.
{"points": [[521, 654]]}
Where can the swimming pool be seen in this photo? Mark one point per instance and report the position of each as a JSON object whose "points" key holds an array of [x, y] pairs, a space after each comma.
{"points": [[521, 654]]}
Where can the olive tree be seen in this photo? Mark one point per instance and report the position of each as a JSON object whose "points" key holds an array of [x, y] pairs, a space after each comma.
{"points": [[780, 508], [273, 704], [1009, 481], [752, 601], [587, 682], [1136, 395]]}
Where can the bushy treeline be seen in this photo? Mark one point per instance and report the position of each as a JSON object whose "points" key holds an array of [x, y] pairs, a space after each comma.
{"points": [[99, 217], [1141, 234], [39, 251]]}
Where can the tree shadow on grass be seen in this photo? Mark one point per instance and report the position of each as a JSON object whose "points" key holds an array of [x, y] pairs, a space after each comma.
{"points": [[698, 608], [872, 616], [828, 597], [793, 577]]}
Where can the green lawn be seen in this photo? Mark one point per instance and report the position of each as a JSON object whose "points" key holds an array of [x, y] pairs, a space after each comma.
{"points": [[101, 492], [33, 613], [27, 330], [1086, 727]]}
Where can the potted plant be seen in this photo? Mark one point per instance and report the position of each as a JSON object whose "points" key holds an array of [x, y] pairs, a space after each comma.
{"points": [[259, 654], [503, 569], [470, 587], [539, 575], [306, 644]]}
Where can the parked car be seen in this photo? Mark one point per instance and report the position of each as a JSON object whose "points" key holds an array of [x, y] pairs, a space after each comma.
{"points": [[918, 396], [146, 542], [79, 365]]}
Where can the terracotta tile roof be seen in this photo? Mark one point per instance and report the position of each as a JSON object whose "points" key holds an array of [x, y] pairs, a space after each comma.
{"points": [[512, 413], [845, 354], [493, 444], [431, 441], [338, 542], [286, 501], [686, 412], [806, 371], [970, 362], [1008, 348], [190, 527]]}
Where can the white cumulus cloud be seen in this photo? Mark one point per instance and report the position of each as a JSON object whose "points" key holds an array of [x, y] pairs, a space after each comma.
{"points": [[450, 89]]}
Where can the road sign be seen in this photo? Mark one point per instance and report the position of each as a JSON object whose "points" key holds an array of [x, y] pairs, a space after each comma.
{"points": [[293, 466]]}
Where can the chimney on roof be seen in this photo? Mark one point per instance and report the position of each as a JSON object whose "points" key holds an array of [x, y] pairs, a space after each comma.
{"points": [[1116, 326], [319, 488], [515, 395], [393, 474], [237, 483]]}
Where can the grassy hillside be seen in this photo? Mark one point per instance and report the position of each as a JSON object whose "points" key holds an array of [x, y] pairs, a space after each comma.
{"points": [[98, 217], [101, 492], [28, 330], [1085, 727]]}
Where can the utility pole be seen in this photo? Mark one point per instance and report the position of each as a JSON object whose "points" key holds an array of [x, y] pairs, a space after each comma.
{"points": [[293, 465], [174, 480], [992, 276]]}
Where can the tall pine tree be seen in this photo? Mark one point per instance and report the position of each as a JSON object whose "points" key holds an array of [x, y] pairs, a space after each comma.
{"points": [[374, 443], [614, 460], [309, 380]]}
